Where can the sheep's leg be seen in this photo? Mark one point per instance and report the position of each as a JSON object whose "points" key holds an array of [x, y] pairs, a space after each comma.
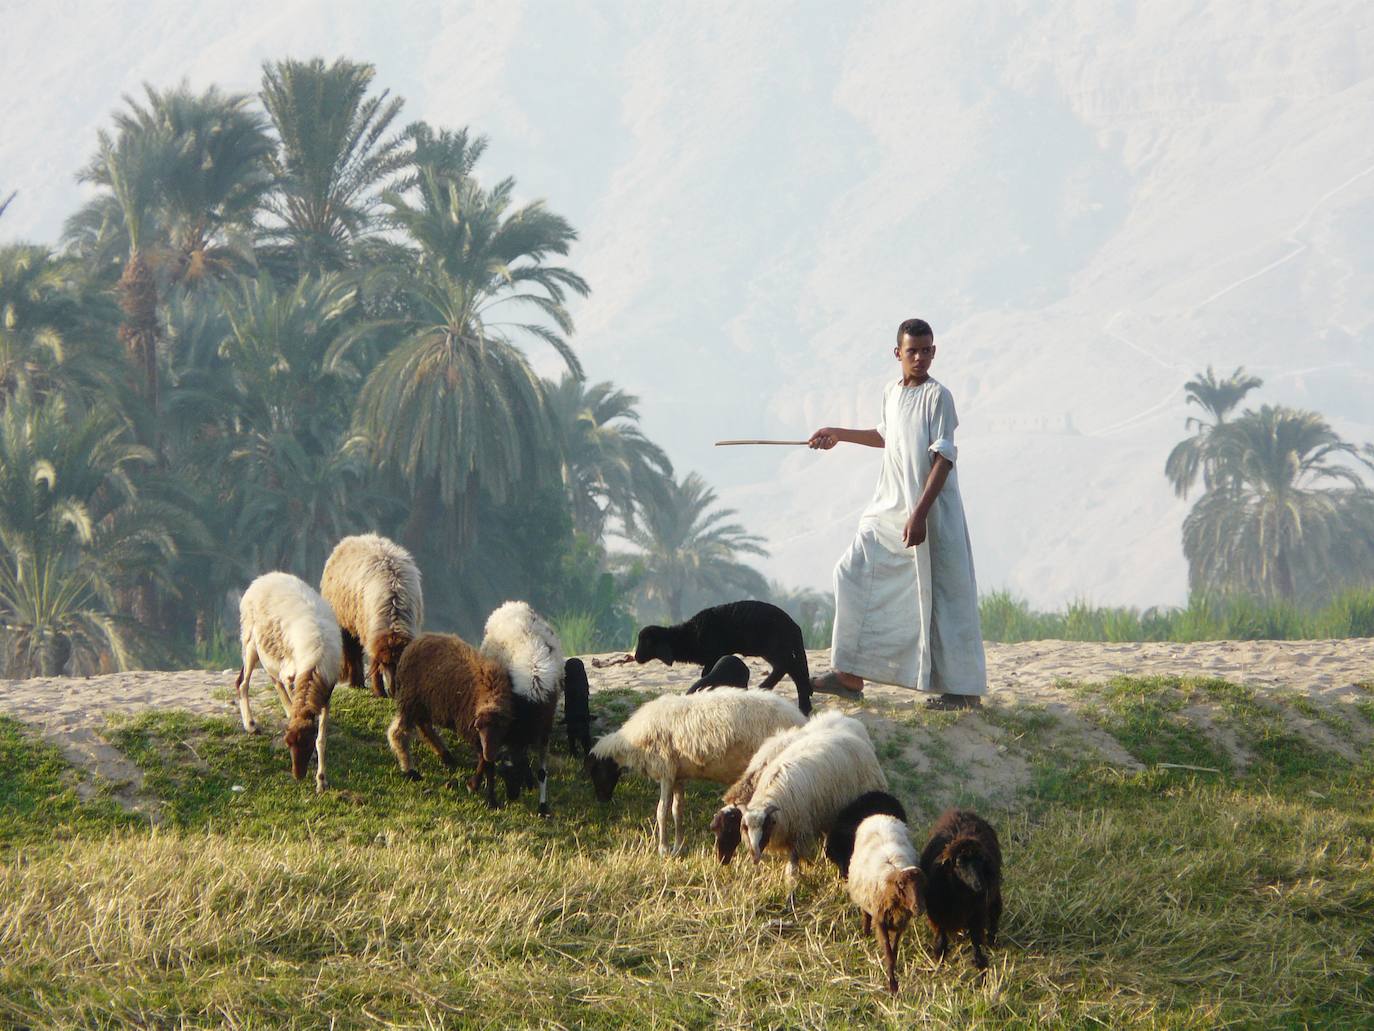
{"points": [[398, 736], [889, 956], [976, 931], [994, 916], [321, 784], [491, 785], [352, 659], [544, 809], [665, 795], [284, 695], [867, 922], [793, 875], [250, 661], [436, 742], [374, 675], [679, 837], [771, 681], [941, 945]]}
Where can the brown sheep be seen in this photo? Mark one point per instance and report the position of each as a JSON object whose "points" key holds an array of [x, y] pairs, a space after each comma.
{"points": [[442, 681], [373, 585], [962, 868]]}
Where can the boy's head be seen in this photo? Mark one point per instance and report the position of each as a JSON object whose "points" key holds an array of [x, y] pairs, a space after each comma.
{"points": [[915, 349]]}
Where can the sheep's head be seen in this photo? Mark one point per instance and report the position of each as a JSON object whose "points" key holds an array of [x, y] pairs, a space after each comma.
{"points": [[652, 643], [516, 772], [490, 727], [300, 740], [386, 653], [726, 825], [604, 773], [963, 858], [759, 825]]}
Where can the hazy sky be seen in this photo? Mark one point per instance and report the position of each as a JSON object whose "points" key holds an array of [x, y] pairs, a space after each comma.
{"points": [[1090, 202]]}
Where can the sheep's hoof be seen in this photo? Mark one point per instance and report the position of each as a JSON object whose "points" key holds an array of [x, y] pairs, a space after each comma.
{"points": [[321, 786], [411, 774], [250, 728], [544, 810]]}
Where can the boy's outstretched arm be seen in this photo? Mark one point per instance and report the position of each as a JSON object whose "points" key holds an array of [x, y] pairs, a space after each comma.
{"points": [[915, 531], [828, 436]]}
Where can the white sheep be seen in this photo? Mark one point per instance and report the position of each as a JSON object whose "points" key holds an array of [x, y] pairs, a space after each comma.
{"points": [[727, 821], [291, 631], [800, 792], [872, 846], [373, 585], [527, 646], [677, 738]]}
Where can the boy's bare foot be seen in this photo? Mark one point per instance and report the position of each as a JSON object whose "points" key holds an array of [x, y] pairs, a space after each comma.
{"points": [[845, 685], [955, 701]]}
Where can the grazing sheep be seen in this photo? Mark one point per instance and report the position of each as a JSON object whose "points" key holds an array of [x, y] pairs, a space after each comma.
{"points": [[374, 587], [729, 818], [801, 791], [442, 681], [291, 631], [676, 738], [739, 628], [729, 671], [962, 867], [577, 707], [871, 845], [528, 648]]}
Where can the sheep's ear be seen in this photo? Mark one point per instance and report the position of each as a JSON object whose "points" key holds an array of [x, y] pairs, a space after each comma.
{"points": [[911, 881]]}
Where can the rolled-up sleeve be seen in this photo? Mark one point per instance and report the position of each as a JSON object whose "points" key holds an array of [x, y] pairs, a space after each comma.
{"points": [[943, 420]]}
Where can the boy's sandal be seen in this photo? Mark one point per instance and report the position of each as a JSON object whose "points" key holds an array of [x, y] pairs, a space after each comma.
{"points": [[949, 702], [830, 683]]}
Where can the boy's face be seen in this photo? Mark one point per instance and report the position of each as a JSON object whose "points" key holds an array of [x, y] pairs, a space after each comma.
{"points": [[915, 354]]}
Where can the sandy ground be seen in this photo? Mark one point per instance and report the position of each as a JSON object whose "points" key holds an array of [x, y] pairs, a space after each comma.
{"points": [[72, 712]]}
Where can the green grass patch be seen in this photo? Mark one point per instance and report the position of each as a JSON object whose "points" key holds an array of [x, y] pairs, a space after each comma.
{"points": [[39, 800]]}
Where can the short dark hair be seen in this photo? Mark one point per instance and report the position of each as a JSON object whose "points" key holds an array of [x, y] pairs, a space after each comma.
{"points": [[915, 328]]}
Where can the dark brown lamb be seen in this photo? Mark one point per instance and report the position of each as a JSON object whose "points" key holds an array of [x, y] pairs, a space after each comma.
{"points": [[442, 681], [962, 865]]}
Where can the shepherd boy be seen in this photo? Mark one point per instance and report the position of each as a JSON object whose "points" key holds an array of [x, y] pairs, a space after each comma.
{"points": [[906, 604]]}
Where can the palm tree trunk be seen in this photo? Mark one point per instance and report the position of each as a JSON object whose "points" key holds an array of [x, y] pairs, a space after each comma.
{"points": [[138, 301]]}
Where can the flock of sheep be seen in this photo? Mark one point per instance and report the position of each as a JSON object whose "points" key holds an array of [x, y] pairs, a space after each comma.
{"points": [[792, 780]]}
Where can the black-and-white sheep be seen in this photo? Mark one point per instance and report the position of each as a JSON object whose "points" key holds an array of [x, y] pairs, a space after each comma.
{"points": [[738, 628], [442, 681], [373, 585], [676, 738], [528, 647], [871, 845], [803, 788], [290, 631]]}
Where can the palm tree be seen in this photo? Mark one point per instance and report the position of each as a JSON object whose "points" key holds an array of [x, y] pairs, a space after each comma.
{"points": [[690, 554], [1283, 519], [455, 408], [334, 159], [186, 173], [1218, 398], [73, 531], [608, 465]]}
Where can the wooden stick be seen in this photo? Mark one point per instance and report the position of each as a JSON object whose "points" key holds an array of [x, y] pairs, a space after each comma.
{"points": [[603, 663], [728, 443]]}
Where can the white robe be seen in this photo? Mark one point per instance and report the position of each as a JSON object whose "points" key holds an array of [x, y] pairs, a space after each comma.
{"points": [[909, 616]]}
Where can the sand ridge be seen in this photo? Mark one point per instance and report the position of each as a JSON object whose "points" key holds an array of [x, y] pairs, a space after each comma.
{"points": [[72, 712]]}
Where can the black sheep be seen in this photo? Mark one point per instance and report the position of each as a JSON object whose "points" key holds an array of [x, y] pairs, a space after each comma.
{"points": [[839, 840], [577, 707], [962, 865], [739, 628], [730, 671]]}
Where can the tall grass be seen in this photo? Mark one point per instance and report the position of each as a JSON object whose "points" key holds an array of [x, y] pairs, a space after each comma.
{"points": [[1206, 618]]}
